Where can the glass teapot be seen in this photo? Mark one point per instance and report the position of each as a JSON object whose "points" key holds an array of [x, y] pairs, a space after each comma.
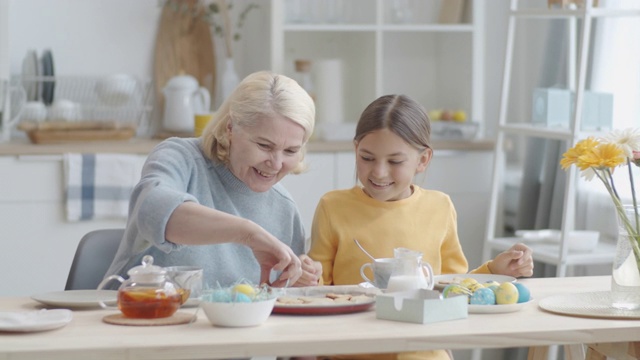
{"points": [[148, 293], [410, 272]]}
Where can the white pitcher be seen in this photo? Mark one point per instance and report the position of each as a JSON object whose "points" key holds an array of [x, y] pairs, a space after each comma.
{"points": [[183, 98]]}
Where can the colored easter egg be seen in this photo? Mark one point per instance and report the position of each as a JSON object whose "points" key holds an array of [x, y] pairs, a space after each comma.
{"points": [[483, 296], [506, 293], [524, 294], [454, 290], [467, 282], [245, 289], [491, 283], [474, 287], [240, 297]]}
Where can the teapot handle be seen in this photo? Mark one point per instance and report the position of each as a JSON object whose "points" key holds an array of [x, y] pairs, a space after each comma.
{"points": [[103, 283], [202, 98], [429, 275]]}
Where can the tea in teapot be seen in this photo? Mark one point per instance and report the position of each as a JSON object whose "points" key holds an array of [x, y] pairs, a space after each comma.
{"points": [[148, 293]]}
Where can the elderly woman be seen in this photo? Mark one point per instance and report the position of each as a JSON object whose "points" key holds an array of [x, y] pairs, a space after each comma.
{"points": [[215, 201]]}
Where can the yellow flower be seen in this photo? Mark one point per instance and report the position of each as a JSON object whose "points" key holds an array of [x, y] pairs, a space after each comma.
{"points": [[600, 157], [572, 155]]}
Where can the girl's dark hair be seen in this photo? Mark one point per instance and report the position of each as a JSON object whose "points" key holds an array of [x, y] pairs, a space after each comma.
{"points": [[401, 115]]}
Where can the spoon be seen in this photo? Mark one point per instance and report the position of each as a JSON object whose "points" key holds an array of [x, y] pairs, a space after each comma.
{"points": [[363, 250]]}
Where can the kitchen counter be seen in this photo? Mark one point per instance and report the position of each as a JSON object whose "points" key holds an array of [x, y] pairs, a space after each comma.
{"points": [[144, 146]]}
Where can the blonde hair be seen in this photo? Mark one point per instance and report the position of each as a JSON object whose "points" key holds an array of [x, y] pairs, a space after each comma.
{"points": [[261, 95]]}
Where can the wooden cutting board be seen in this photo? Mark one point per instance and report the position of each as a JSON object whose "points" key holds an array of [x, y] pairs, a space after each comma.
{"points": [[184, 45]]}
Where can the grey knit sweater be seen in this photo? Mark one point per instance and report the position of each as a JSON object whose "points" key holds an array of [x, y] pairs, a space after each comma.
{"points": [[177, 171]]}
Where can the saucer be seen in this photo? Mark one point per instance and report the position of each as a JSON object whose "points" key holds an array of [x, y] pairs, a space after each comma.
{"points": [[30, 321]]}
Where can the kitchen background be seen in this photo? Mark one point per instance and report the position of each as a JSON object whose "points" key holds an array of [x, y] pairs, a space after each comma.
{"points": [[97, 38]]}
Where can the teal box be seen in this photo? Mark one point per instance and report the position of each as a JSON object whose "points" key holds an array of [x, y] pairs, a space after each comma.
{"points": [[597, 110], [551, 107], [420, 306]]}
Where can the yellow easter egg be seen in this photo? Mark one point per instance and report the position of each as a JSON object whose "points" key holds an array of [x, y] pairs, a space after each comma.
{"points": [[506, 293], [245, 289], [467, 282]]}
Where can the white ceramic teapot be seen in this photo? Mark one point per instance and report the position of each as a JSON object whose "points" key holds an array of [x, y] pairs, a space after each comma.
{"points": [[183, 98]]}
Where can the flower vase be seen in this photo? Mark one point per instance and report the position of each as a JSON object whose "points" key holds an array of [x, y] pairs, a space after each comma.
{"points": [[229, 78], [625, 279]]}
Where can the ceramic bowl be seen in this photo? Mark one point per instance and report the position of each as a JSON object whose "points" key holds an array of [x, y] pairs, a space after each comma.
{"points": [[238, 314]]}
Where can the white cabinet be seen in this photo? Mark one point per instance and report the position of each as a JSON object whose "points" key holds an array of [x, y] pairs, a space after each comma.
{"points": [[515, 129], [440, 65], [466, 177], [307, 188], [36, 241]]}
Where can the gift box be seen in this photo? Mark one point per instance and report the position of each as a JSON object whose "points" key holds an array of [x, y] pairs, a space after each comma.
{"points": [[420, 306]]}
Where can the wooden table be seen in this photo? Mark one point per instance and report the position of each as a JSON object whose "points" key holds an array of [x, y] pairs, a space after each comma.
{"points": [[287, 335]]}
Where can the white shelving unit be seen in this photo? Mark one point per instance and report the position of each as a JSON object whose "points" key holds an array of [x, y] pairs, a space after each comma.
{"points": [[440, 65], [579, 23]]}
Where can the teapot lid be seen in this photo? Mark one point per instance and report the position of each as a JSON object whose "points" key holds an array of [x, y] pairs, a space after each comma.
{"points": [[182, 81], [146, 269]]}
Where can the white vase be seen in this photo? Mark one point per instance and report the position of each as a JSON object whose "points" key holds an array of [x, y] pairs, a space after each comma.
{"points": [[229, 79], [625, 277]]}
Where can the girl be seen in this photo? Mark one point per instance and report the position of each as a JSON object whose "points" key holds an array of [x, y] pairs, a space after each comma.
{"points": [[387, 210]]}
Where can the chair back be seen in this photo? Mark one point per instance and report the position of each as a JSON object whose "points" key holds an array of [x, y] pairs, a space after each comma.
{"points": [[93, 257]]}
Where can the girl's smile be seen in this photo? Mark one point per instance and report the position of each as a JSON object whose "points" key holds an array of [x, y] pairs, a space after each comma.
{"points": [[386, 165]]}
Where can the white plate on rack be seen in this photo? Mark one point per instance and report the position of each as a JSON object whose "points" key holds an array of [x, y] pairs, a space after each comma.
{"points": [[39, 320], [30, 72], [77, 299]]}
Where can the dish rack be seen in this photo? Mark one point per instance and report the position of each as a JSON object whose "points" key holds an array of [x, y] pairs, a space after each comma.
{"points": [[79, 108]]}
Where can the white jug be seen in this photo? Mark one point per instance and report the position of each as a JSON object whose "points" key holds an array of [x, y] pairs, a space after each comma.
{"points": [[183, 98]]}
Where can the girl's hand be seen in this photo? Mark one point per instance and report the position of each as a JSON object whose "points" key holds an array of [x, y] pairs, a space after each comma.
{"points": [[516, 262], [311, 272]]}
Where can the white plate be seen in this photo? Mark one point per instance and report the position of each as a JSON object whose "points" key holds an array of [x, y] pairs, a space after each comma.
{"points": [[30, 70], [496, 309], [590, 304], [481, 278], [77, 298], [39, 320]]}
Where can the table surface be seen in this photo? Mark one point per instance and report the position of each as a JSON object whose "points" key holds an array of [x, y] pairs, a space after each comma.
{"points": [[287, 335]]}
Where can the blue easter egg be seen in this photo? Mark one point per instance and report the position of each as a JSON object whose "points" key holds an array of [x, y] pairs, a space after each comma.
{"points": [[483, 296], [240, 297], [524, 294]]}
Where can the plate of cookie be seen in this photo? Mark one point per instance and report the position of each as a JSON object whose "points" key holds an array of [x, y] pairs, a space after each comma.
{"points": [[324, 300]]}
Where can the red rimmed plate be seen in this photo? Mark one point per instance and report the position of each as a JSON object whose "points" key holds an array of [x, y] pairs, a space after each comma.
{"points": [[325, 309], [363, 304]]}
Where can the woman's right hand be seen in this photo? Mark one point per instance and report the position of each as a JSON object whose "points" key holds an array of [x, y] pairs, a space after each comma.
{"points": [[273, 254], [194, 224]]}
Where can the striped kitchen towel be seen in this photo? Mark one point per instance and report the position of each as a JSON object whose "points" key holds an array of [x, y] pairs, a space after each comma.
{"points": [[98, 186]]}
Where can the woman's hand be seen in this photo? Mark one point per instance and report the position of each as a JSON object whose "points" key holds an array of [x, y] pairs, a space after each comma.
{"points": [[311, 272], [194, 224], [516, 262]]}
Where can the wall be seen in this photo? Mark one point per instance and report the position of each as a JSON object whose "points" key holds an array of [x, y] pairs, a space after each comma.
{"points": [[96, 37]]}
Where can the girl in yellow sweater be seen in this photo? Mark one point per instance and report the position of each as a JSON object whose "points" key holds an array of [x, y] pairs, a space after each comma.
{"points": [[386, 210]]}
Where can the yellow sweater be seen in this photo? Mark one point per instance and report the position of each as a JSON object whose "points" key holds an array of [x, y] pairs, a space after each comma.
{"points": [[426, 221]]}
